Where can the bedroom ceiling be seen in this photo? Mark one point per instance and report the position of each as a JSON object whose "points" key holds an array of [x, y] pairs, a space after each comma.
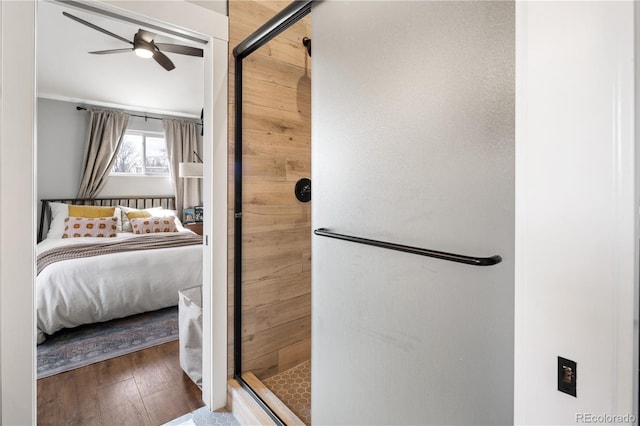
{"points": [[67, 72]]}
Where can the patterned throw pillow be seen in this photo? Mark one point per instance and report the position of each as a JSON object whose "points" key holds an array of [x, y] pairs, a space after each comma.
{"points": [[76, 227], [60, 211], [155, 224], [136, 213]]}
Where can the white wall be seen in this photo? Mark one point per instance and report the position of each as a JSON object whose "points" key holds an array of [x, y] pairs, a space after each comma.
{"points": [[220, 6], [17, 212], [575, 209], [636, 319], [61, 137], [138, 185]]}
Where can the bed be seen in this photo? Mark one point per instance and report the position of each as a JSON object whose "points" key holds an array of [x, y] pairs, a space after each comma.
{"points": [[83, 278]]}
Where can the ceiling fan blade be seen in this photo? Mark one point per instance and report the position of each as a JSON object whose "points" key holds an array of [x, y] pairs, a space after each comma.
{"points": [[178, 48], [95, 27], [163, 60], [146, 35], [105, 52]]}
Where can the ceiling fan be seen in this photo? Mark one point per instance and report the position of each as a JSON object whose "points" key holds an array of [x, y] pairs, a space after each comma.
{"points": [[143, 45]]}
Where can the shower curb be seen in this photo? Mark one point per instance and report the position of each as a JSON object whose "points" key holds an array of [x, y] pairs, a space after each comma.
{"points": [[244, 408]]}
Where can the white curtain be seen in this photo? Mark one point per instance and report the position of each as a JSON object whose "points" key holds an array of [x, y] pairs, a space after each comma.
{"points": [[182, 142], [104, 137]]}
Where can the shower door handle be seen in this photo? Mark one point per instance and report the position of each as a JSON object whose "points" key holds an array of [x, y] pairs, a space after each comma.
{"points": [[451, 257]]}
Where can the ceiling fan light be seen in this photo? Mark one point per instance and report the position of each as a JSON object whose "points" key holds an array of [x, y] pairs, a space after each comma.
{"points": [[143, 52]]}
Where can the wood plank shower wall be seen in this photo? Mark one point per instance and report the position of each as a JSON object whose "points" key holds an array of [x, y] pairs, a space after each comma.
{"points": [[276, 226]]}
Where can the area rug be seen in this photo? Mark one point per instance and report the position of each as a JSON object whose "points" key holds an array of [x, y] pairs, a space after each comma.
{"points": [[73, 348]]}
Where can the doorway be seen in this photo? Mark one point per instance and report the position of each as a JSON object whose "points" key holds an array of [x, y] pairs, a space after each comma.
{"points": [[17, 306]]}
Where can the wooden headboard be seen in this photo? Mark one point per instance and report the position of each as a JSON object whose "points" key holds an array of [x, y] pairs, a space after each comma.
{"points": [[133, 201]]}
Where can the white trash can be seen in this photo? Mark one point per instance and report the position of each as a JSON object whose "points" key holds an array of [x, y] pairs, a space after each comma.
{"points": [[190, 332]]}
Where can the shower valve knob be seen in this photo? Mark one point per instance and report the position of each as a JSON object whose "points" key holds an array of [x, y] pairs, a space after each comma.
{"points": [[303, 190]]}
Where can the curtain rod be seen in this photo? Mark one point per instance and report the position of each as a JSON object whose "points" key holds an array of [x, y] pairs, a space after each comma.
{"points": [[145, 116]]}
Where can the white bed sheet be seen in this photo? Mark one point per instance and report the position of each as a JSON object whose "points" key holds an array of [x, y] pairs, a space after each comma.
{"points": [[74, 292]]}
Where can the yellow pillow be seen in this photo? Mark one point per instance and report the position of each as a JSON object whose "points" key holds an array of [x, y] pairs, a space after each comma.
{"points": [[91, 211], [137, 214]]}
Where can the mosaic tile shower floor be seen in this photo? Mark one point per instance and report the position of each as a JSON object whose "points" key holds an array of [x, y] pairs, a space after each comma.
{"points": [[293, 387]]}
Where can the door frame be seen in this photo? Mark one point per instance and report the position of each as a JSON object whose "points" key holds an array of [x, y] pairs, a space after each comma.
{"points": [[18, 183]]}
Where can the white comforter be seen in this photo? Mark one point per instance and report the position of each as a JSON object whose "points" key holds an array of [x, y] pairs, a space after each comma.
{"points": [[100, 288]]}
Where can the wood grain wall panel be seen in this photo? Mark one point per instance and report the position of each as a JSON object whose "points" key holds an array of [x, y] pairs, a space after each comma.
{"points": [[272, 290], [275, 339], [269, 218], [259, 168], [276, 298], [298, 145], [291, 355], [260, 244], [280, 265], [259, 93], [279, 313], [276, 71], [266, 119], [264, 365]]}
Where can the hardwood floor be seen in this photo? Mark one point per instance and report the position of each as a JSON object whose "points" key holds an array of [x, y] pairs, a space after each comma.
{"points": [[147, 387]]}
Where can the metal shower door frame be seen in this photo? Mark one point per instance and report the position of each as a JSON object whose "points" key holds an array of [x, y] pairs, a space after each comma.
{"points": [[290, 15]]}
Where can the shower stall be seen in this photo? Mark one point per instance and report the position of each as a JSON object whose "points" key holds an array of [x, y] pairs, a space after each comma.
{"points": [[372, 313], [414, 149], [272, 211]]}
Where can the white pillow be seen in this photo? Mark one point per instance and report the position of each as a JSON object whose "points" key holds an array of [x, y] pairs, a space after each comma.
{"points": [[60, 211], [118, 214]]}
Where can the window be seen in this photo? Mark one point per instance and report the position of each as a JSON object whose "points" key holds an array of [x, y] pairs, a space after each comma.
{"points": [[142, 153]]}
